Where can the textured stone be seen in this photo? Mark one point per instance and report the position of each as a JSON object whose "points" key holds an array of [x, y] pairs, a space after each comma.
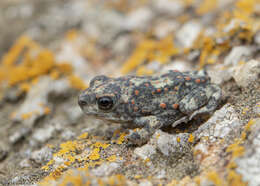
{"points": [[105, 169], [43, 134], [247, 73], [221, 124], [36, 101], [187, 34], [168, 7], [138, 19], [169, 145], [239, 53], [146, 151], [41, 156], [249, 164]]}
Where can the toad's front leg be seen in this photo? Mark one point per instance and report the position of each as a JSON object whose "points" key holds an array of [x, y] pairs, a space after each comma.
{"points": [[148, 125]]}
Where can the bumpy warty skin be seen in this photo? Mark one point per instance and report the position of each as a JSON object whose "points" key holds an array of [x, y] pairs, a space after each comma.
{"points": [[150, 102]]}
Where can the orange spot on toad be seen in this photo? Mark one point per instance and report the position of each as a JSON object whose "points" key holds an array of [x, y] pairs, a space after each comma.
{"points": [[163, 105], [175, 106], [197, 80]]}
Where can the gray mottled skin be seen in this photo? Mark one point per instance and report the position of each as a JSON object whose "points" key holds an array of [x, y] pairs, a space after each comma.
{"points": [[151, 102]]}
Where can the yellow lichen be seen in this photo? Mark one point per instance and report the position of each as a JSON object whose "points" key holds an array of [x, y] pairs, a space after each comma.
{"points": [[83, 136], [111, 158], [26, 115], [249, 125], [191, 138], [206, 6], [235, 179], [150, 50], [215, 178], [72, 35], [121, 139], [94, 154], [236, 150], [77, 83], [138, 176]]}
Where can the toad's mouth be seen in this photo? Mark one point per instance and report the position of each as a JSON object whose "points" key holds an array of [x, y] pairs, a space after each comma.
{"points": [[109, 118]]}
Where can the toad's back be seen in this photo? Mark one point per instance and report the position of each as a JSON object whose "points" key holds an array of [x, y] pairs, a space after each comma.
{"points": [[158, 95]]}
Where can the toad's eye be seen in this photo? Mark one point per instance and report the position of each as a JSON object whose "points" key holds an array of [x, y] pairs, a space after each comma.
{"points": [[105, 103]]}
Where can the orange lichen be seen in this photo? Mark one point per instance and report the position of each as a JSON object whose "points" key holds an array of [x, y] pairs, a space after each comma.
{"points": [[206, 6], [72, 35], [236, 149], [100, 145], [26, 61], [95, 154], [83, 136], [121, 139], [235, 179], [191, 138], [247, 129], [147, 160], [138, 176], [112, 158], [55, 74], [215, 178], [77, 83], [24, 87], [26, 115], [249, 125], [150, 50], [47, 110], [64, 68]]}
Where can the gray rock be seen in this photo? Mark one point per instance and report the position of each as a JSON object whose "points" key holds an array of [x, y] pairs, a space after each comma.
{"points": [[105, 169], [239, 53], [247, 73], [222, 123], [73, 113], [169, 145], [249, 164], [3, 152], [138, 19], [68, 53], [257, 108], [257, 38], [36, 101], [145, 183], [180, 65], [67, 134], [146, 151], [169, 7], [18, 135], [220, 74], [165, 27], [187, 34], [43, 134], [42, 156], [25, 163]]}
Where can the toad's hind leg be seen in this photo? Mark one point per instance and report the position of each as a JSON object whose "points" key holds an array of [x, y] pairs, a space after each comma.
{"points": [[213, 101], [202, 100]]}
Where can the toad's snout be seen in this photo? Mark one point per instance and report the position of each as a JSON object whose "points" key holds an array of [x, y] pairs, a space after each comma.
{"points": [[82, 100]]}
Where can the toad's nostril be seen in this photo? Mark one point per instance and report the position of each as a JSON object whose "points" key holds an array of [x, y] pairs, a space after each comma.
{"points": [[82, 102]]}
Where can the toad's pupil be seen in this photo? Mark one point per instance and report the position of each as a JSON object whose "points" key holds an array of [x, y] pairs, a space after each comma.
{"points": [[105, 103]]}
